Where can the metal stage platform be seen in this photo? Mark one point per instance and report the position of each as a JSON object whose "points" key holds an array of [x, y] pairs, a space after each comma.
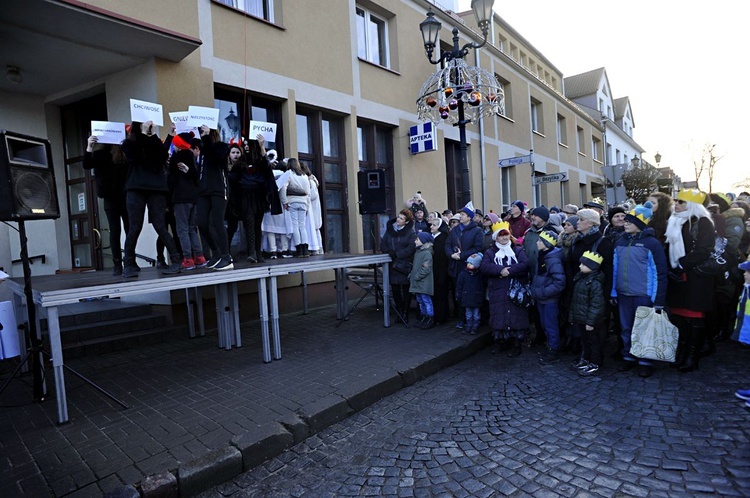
{"points": [[52, 291]]}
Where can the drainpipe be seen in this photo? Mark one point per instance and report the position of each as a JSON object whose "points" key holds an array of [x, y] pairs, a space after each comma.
{"points": [[482, 147]]}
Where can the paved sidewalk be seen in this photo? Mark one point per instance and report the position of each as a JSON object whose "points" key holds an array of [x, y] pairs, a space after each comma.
{"points": [[198, 415]]}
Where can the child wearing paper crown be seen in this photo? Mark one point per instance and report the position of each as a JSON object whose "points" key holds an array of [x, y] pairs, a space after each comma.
{"points": [[420, 279], [742, 326], [588, 309], [547, 285], [470, 293], [639, 278]]}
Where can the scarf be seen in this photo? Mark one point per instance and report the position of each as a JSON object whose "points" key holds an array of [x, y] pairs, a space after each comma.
{"points": [[503, 252], [674, 237], [397, 228]]}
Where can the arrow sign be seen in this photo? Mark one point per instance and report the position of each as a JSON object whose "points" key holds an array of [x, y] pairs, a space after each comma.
{"points": [[555, 177], [513, 161]]}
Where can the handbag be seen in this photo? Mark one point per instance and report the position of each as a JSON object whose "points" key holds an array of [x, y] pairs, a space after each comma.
{"points": [[402, 266], [520, 293], [653, 335]]}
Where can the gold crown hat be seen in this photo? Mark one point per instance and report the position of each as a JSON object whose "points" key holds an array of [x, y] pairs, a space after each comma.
{"points": [[498, 226], [547, 237], [691, 195], [592, 259]]}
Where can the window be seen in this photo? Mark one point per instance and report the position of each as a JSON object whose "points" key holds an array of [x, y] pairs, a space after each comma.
{"points": [[595, 148], [505, 187], [508, 95], [537, 118], [372, 37], [320, 145], [580, 142], [562, 131], [501, 42], [262, 9], [237, 109]]}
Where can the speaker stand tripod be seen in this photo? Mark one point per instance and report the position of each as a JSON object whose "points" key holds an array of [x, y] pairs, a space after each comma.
{"points": [[35, 352], [376, 290]]}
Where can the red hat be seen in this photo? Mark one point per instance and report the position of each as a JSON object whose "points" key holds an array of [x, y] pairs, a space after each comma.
{"points": [[182, 141]]}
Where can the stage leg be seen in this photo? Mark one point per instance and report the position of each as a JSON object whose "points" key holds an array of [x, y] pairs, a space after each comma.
{"points": [[53, 323], [386, 296], [235, 314], [304, 293], [263, 305], [199, 303], [275, 319], [191, 318]]}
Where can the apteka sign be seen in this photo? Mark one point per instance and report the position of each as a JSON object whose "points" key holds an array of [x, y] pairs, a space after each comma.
{"points": [[422, 138]]}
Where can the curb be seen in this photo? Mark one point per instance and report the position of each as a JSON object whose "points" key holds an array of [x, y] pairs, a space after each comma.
{"points": [[248, 450]]}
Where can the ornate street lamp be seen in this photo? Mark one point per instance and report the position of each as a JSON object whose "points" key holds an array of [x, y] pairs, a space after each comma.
{"points": [[445, 94], [233, 121], [657, 158]]}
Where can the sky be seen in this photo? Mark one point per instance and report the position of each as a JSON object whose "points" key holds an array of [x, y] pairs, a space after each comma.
{"points": [[682, 65]]}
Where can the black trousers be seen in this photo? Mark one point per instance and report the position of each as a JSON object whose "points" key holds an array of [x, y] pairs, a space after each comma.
{"points": [[210, 220], [116, 209], [137, 200]]}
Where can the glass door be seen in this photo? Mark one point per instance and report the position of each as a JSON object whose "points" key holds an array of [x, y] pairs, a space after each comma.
{"points": [[87, 235]]}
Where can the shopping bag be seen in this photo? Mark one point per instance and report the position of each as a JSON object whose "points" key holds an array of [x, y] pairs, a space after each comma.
{"points": [[653, 336]]}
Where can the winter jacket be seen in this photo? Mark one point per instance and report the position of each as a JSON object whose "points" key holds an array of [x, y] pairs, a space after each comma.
{"points": [[297, 189], [640, 267], [183, 187], [466, 238], [735, 227], [688, 289], [742, 325], [549, 281], [399, 245], [529, 245], [470, 291], [518, 226], [440, 260], [421, 226], [504, 315], [110, 177], [212, 168], [420, 278], [588, 303], [147, 163]]}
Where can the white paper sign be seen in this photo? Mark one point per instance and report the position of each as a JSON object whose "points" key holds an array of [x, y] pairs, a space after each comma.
{"points": [[146, 111], [9, 346], [268, 130], [199, 116], [180, 120], [108, 132]]}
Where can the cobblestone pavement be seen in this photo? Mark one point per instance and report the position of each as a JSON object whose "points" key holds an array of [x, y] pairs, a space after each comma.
{"points": [[496, 426]]}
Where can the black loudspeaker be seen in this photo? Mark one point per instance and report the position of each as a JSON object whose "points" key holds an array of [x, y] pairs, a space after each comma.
{"points": [[27, 179], [372, 198]]}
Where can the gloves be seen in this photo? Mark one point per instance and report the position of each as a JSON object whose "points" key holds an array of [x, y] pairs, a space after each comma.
{"points": [[658, 309], [613, 301]]}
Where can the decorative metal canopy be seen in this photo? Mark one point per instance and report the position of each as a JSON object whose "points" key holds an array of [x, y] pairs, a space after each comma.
{"points": [[477, 88]]}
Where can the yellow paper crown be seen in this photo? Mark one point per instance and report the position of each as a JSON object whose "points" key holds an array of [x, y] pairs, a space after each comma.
{"points": [[500, 225], [595, 257], [691, 195], [548, 237]]}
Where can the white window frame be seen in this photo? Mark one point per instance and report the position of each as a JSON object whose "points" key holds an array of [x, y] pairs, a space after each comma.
{"points": [[252, 7], [368, 18]]}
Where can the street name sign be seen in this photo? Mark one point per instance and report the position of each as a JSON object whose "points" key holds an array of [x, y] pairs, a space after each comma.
{"points": [[555, 177]]}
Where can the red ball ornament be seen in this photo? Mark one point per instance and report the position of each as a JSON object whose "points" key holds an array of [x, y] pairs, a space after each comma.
{"points": [[475, 98], [448, 92], [431, 101]]}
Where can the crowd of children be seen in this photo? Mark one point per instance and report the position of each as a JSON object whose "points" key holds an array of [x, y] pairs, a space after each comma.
{"points": [[588, 271]]}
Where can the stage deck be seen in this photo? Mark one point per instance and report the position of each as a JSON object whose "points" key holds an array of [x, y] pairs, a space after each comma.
{"points": [[51, 291]]}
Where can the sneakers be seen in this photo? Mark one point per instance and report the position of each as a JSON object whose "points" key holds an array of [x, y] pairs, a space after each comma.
{"points": [[213, 262], [588, 370], [129, 271], [743, 394], [188, 264], [549, 357], [460, 325], [161, 265], [287, 254], [224, 263], [580, 364], [273, 255], [172, 269], [200, 261]]}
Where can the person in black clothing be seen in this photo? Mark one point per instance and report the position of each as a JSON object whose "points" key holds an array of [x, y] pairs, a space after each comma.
{"points": [[146, 185], [398, 242], [440, 300], [184, 189], [212, 201], [110, 172]]}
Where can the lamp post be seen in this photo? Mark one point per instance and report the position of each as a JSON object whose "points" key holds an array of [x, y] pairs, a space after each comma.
{"points": [[445, 93], [657, 158]]}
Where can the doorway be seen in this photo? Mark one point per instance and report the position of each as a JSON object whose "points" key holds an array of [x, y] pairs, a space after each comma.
{"points": [[89, 233]]}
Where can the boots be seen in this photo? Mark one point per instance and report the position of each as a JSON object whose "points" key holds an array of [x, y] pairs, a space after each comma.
{"points": [[174, 267], [683, 342], [305, 251], [709, 345], [117, 267], [130, 269], [697, 334], [429, 323], [252, 255], [516, 349]]}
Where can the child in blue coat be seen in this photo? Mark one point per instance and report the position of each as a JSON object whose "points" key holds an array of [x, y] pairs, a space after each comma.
{"points": [[742, 327], [470, 292]]}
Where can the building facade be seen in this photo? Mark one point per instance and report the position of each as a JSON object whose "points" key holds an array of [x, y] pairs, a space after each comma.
{"points": [[338, 77]]}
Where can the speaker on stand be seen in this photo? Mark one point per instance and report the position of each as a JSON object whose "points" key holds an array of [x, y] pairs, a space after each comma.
{"points": [[372, 196]]}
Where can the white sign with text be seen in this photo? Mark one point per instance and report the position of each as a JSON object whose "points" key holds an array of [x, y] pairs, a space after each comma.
{"points": [[146, 111], [199, 116], [108, 132], [268, 130]]}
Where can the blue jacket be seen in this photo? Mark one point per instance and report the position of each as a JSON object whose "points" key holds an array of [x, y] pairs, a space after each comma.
{"points": [[640, 267], [742, 325], [470, 287], [469, 240], [549, 280]]}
